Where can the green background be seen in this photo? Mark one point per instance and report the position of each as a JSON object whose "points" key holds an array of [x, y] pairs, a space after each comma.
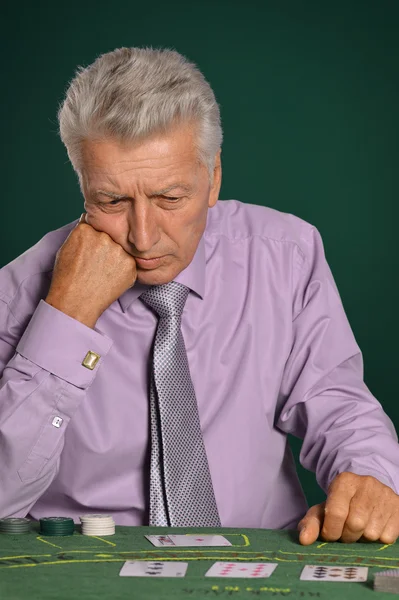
{"points": [[309, 96]]}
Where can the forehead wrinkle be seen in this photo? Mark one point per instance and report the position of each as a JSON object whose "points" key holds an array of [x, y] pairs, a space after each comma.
{"points": [[112, 158], [174, 176], [185, 187], [148, 176], [125, 168]]}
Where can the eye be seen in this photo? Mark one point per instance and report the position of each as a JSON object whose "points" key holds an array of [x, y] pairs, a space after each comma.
{"points": [[114, 202], [170, 198]]}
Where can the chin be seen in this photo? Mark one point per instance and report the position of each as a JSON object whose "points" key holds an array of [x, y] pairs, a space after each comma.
{"points": [[154, 277]]}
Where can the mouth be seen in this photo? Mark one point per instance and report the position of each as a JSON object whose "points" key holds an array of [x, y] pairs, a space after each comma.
{"points": [[148, 263]]}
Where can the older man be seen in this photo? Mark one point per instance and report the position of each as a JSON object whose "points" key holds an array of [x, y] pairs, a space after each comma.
{"points": [[155, 354]]}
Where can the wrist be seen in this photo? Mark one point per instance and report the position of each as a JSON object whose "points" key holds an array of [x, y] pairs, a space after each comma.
{"points": [[86, 317]]}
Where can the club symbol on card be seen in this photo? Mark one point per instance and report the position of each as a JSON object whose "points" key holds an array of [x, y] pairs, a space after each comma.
{"points": [[154, 568], [320, 572], [350, 572], [148, 572]]}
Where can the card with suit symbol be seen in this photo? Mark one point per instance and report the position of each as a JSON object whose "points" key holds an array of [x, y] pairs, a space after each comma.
{"points": [[188, 540], [241, 569], [158, 568], [335, 573]]}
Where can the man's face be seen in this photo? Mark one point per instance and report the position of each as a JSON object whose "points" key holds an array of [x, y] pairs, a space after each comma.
{"points": [[151, 198]]}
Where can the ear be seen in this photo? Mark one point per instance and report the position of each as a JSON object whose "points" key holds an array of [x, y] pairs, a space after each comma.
{"points": [[217, 181]]}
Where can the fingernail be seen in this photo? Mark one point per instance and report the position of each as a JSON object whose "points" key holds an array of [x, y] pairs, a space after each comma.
{"points": [[302, 529]]}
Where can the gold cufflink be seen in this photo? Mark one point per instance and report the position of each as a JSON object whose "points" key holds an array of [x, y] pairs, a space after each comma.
{"points": [[90, 360]]}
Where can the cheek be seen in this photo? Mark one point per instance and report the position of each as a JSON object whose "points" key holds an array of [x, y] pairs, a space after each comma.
{"points": [[108, 224], [197, 219], [188, 231]]}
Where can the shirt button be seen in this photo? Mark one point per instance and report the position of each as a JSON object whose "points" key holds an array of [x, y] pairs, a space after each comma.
{"points": [[90, 360], [57, 422]]}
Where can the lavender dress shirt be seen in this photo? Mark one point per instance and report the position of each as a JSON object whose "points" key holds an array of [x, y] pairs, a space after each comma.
{"points": [[270, 352]]}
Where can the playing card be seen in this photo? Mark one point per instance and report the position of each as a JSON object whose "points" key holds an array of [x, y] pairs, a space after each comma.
{"points": [[241, 569], [139, 568], [322, 573], [160, 540], [188, 540]]}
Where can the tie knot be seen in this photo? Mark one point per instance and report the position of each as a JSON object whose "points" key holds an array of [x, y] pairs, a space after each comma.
{"points": [[167, 299]]}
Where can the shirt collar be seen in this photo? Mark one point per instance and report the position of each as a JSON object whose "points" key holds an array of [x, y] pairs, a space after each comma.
{"points": [[192, 276]]}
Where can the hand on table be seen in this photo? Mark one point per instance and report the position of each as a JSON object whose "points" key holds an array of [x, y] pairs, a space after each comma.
{"points": [[357, 506]]}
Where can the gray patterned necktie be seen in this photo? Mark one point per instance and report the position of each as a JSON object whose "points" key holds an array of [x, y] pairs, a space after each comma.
{"points": [[181, 492]]}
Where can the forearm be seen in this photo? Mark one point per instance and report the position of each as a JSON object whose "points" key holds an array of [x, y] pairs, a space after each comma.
{"points": [[40, 390], [36, 407], [344, 428], [365, 445]]}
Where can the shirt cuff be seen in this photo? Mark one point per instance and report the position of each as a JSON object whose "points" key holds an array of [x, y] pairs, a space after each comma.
{"points": [[60, 344]]}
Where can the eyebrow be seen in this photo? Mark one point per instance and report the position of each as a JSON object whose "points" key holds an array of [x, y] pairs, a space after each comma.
{"points": [[114, 196]]}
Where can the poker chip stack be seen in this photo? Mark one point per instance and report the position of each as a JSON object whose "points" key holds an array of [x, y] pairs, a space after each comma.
{"points": [[57, 526], [14, 525], [98, 525], [387, 581]]}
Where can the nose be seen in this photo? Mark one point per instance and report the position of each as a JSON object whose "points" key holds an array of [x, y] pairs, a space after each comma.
{"points": [[143, 229]]}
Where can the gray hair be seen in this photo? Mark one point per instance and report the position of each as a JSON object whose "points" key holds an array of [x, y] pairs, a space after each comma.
{"points": [[130, 93]]}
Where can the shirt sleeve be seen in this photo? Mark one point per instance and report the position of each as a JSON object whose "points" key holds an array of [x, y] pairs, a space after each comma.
{"points": [[324, 400], [43, 381]]}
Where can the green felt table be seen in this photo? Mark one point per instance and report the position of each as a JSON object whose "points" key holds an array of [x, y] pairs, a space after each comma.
{"points": [[35, 567]]}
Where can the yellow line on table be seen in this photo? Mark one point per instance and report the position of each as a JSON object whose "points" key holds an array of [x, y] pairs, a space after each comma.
{"points": [[87, 560], [338, 554], [23, 556], [84, 551], [355, 550], [292, 560], [102, 540], [383, 547], [181, 549], [245, 538], [15, 566], [49, 543], [164, 558]]}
